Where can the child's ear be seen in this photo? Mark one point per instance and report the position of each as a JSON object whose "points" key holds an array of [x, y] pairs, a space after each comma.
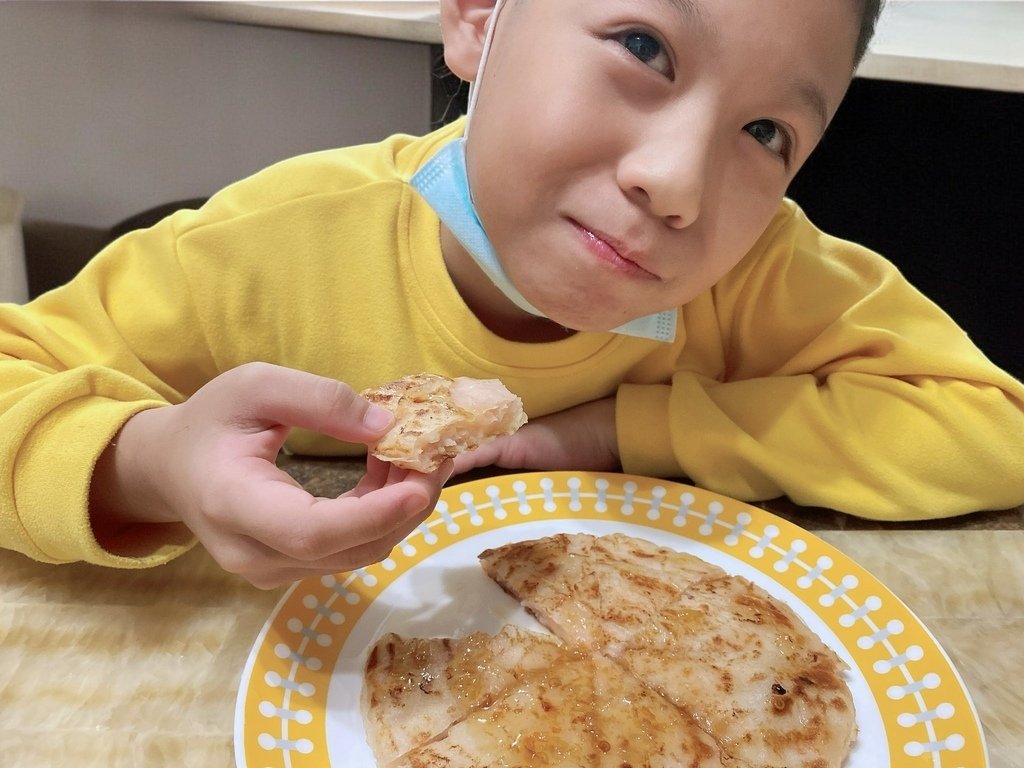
{"points": [[463, 29]]}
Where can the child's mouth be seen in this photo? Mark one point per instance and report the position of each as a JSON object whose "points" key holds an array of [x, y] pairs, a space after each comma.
{"points": [[612, 252]]}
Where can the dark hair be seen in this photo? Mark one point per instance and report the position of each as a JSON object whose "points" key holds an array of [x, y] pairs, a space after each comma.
{"points": [[869, 12]]}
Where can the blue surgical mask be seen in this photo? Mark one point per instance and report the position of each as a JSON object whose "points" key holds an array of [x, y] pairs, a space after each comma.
{"points": [[444, 183]]}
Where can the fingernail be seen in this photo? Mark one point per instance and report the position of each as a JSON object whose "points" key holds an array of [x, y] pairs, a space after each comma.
{"points": [[377, 419]]}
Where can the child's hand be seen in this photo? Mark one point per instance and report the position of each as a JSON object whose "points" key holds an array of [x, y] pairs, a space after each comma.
{"points": [[582, 437], [209, 463]]}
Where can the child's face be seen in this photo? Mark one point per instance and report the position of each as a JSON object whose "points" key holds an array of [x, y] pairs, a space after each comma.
{"points": [[625, 154]]}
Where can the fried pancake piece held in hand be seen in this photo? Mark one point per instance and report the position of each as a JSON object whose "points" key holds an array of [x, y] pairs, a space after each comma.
{"points": [[438, 418]]}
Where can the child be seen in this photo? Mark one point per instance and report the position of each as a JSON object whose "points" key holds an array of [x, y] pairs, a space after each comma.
{"points": [[638, 279]]}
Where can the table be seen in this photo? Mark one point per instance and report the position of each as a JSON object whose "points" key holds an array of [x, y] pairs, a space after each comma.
{"points": [[141, 668]]}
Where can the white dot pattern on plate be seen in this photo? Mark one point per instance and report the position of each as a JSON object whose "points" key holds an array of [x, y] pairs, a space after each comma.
{"points": [[898, 670]]}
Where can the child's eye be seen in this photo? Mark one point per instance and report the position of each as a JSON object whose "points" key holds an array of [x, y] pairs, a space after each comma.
{"points": [[648, 49], [772, 135]]}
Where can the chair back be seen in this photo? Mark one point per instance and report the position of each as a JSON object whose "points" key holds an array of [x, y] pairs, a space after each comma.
{"points": [[13, 277]]}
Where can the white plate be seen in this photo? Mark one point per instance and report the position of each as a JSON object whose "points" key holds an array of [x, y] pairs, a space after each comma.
{"points": [[298, 700]]}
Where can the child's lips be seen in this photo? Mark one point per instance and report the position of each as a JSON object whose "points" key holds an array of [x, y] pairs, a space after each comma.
{"points": [[613, 251]]}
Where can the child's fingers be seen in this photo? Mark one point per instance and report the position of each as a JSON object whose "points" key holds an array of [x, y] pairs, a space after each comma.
{"points": [[263, 567], [278, 533], [310, 530], [265, 394], [378, 474], [350, 559]]}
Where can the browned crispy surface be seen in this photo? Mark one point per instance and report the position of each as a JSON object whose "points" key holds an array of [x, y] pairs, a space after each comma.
{"points": [[739, 662], [414, 688], [437, 418], [587, 711]]}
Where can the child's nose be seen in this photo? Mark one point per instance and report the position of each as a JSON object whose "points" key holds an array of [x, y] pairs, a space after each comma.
{"points": [[668, 176]]}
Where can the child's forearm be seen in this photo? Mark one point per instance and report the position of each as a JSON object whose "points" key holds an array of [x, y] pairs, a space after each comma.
{"points": [[124, 506], [873, 446]]}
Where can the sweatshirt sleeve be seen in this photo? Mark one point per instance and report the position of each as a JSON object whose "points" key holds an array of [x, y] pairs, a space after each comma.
{"points": [[75, 364], [839, 385]]}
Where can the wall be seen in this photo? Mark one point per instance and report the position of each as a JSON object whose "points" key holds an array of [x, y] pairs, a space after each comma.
{"points": [[109, 108]]}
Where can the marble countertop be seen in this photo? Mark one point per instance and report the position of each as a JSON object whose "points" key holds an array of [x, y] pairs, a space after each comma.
{"points": [[141, 668], [970, 43]]}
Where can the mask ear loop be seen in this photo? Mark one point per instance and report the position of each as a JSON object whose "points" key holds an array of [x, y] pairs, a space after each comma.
{"points": [[474, 87]]}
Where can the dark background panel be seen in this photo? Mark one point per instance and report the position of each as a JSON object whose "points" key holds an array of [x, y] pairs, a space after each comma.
{"points": [[931, 177]]}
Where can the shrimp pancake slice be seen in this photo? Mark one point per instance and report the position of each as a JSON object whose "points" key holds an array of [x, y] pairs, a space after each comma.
{"points": [[414, 688], [437, 418], [737, 661], [585, 712]]}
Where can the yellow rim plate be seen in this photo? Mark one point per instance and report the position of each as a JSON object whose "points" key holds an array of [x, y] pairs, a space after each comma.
{"points": [[298, 699]]}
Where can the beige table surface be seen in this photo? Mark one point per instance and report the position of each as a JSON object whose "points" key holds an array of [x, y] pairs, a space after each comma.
{"points": [[141, 668]]}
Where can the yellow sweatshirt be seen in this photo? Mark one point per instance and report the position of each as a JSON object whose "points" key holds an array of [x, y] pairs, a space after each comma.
{"points": [[813, 369]]}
